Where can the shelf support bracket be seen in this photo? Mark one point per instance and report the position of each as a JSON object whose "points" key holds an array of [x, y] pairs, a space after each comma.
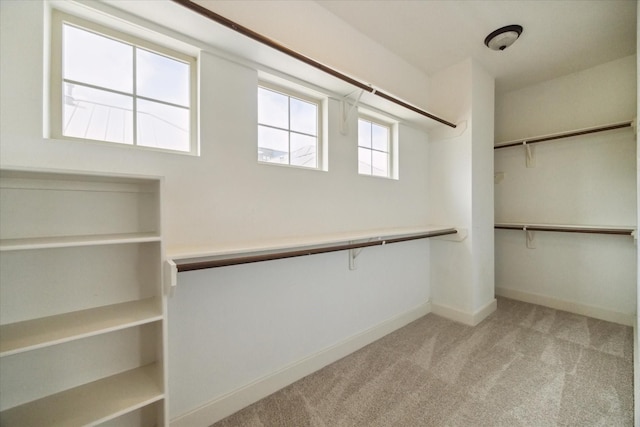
{"points": [[346, 110], [353, 254], [530, 155], [530, 236]]}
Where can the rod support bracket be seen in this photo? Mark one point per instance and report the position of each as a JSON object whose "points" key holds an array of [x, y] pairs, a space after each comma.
{"points": [[530, 237], [346, 110], [353, 253], [530, 155]]}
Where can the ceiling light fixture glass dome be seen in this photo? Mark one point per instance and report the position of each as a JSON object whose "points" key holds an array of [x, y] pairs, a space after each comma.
{"points": [[503, 37]]}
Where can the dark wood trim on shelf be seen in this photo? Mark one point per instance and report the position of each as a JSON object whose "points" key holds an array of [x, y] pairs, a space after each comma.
{"points": [[564, 135], [221, 261], [281, 48]]}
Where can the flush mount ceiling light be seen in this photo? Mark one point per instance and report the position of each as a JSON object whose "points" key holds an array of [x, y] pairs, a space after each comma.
{"points": [[503, 37]]}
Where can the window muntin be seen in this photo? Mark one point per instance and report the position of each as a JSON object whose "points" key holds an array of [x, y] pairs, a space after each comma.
{"points": [[374, 148], [288, 128], [116, 88]]}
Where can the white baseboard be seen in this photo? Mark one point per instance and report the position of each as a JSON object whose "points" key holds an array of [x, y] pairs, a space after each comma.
{"points": [[226, 405], [471, 319], [570, 306]]}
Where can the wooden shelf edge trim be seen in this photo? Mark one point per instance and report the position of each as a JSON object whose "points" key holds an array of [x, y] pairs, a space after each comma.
{"points": [[564, 135], [190, 265], [561, 229]]}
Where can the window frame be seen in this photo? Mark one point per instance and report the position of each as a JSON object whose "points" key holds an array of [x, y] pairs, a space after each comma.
{"points": [[56, 79], [392, 144], [302, 95]]}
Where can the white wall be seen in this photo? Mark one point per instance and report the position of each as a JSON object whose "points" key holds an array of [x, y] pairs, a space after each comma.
{"points": [[483, 275], [461, 192], [232, 326], [230, 187], [266, 323], [450, 188], [307, 27], [599, 95], [589, 180]]}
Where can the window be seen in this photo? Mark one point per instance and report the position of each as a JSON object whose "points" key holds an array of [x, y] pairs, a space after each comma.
{"points": [[288, 128], [109, 86], [374, 148]]}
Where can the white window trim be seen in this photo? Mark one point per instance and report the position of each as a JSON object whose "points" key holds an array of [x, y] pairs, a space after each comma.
{"points": [[304, 95], [393, 153], [58, 18]]}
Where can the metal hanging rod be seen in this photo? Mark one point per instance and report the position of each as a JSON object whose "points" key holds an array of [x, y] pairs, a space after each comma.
{"points": [[565, 135], [567, 229], [203, 263], [277, 46]]}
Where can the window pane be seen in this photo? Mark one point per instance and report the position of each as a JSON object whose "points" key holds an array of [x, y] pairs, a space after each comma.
{"points": [[97, 60], [273, 109], [162, 126], [162, 78], [303, 150], [364, 161], [304, 117], [380, 137], [364, 133], [273, 145], [380, 166], [97, 114]]}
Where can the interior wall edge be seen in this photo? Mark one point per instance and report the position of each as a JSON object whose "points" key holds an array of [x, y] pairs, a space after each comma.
{"points": [[465, 317], [223, 406]]}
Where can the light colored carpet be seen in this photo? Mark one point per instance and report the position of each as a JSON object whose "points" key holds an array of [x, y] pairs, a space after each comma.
{"points": [[525, 365]]}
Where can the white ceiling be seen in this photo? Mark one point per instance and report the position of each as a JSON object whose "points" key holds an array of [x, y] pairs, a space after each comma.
{"points": [[559, 37]]}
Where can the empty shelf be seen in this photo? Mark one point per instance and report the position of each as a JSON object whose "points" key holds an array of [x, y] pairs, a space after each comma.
{"points": [[90, 404], [37, 333]]}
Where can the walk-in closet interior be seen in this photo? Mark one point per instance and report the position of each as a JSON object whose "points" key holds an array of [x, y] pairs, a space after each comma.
{"points": [[164, 263]]}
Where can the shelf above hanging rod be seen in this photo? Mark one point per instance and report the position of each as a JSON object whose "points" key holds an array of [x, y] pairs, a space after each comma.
{"points": [[565, 228], [237, 258], [570, 134]]}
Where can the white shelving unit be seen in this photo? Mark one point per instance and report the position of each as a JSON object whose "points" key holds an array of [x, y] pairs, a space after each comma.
{"points": [[82, 310]]}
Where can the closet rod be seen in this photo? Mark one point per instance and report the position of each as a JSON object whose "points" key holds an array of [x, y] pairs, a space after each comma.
{"points": [[565, 135], [195, 264], [277, 46], [561, 229]]}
